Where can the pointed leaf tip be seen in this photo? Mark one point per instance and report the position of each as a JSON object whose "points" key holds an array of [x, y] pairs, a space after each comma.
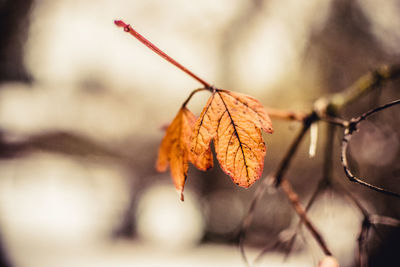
{"points": [[174, 148]]}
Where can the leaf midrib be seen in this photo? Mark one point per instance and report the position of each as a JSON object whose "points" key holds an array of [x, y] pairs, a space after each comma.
{"points": [[237, 136]]}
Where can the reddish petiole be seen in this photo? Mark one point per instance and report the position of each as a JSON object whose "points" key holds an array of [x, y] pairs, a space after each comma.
{"points": [[150, 45]]}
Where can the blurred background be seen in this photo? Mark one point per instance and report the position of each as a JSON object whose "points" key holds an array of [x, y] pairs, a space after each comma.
{"points": [[83, 105]]}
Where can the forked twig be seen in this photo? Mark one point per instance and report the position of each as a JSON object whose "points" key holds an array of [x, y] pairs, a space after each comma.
{"points": [[284, 184], [328, 113], [268, 181], [287, 188]]}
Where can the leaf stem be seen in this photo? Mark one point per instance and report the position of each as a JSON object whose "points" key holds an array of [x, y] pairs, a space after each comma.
{"points": [[193, 93], [155, 49], [285, 114]]}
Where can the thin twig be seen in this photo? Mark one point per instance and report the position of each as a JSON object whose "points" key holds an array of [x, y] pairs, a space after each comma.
{"points": [[375, 110], [287, 189], [267, 248], [323, 183], [362, 243], [369, 221], [294, 200], [302, 213], [250, 213], [284, 165], [335, 121], [338, 186], [345, 142], [327, 168], [326, 112]]}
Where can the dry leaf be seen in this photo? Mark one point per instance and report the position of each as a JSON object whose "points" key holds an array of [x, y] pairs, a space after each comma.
{"points": [[234, 121], [174, 149], [328, 261]]}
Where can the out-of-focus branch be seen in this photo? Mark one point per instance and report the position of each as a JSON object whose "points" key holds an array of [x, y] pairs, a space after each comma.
{"points": [[294, 199], [364, 85], [324, 183], [384, 220], [58, 142], [285, 163], [250, 213]]}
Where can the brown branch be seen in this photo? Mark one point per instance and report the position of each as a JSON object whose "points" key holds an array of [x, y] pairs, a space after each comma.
{"points": [[362, 243], [327, 169], [284, 165], [287, 189], [323, 183], [384, 220], [338, 186], [324, 109], [363, 85], [294, 200]]}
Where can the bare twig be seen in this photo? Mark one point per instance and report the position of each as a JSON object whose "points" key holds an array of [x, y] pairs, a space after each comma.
{"points": [[375, 110], [325, 110], [362, 243], [287, 189], [268, 181], [302, 213], [335, 121], [269, 247], [293, 198], [284, 165], [345, 142], [323, 184]]}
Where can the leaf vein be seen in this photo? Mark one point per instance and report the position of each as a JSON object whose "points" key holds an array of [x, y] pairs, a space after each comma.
{"points": [[237, 135]]}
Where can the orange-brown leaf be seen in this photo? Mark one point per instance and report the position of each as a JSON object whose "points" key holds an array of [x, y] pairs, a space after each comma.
{"points": [[234, 121], [174, 149]]}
